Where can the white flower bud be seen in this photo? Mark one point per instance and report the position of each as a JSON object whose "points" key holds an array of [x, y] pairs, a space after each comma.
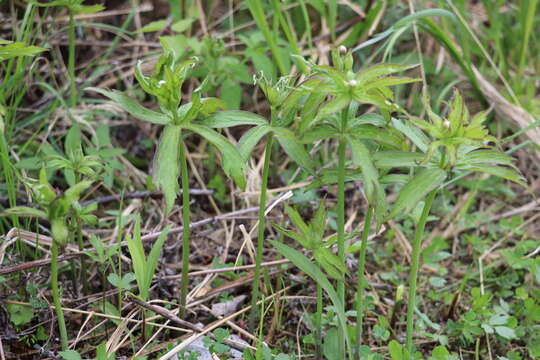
{"points": [[342, 50], [353, 82], [446, 124], [161, 82]]}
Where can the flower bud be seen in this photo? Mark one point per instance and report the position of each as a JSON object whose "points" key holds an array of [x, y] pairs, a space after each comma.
{"points": [[342, 49], [353, 83], [446, 124]]}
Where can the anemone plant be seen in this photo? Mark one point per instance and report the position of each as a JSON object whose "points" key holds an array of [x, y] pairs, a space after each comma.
{"points": [[447, 146], [56, 209], [337, 119], [179, 121], [281, 96]]}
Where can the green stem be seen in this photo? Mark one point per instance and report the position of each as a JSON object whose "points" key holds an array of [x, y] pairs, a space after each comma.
{"points": [[415, 265], [341, 202], [262, 226], [318, 323], [361, 280], [186, 230], [71, 60], [56, 296], [341, 217]]}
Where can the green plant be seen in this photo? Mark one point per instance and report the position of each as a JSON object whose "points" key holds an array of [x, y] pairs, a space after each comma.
{"points": [[179, 120], [144, 267], [56, 209], [456, 143], [311, 237], [281, 96], [74, 7], [337, 119]]}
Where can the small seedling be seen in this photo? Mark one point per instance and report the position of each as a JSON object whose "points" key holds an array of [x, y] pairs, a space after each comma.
{"points": [[56, 209]]}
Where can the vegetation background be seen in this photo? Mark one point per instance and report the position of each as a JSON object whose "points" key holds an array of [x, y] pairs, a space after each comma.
{"points": [[79, 203]]}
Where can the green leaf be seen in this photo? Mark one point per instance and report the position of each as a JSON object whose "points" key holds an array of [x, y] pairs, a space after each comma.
{"points": [[20, 314], [397, 159], [229, 118], [414, 134], [72, 142], [25, 211], [231, 93], [396, 350], [123, 282], [166, 166], [295, 150], [331, 344], [362, 158], [250, 139], [498, 171], [182, 25], [416, 189], [154, 26], [304, 264], [70, 355], [153, 258], [505, 332], [132, 107], [18, 49], [233, 165], [382, 136]]}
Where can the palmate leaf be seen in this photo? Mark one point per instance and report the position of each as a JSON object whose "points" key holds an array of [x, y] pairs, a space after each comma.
{"points": [[313, 271], [233, 165], [229, 118], [416, 189], [133, 108], [166, 166]]}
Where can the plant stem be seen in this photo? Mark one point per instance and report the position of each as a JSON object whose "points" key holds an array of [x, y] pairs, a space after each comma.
{"points": [[341, 218], [415, 265], [341, 203], [318, 323], [361, 280], [56, 296], [262, 226], [186, 230], [71, 60]]}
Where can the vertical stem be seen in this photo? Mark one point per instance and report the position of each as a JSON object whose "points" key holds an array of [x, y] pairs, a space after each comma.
{"points": [[341, 202], [415, 265], [341, 218], [262, 226], [361, 280], [318, 323], [56, 296], [71, 60], [186, 230]]}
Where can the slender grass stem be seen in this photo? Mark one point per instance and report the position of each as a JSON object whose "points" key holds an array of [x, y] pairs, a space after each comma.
{"points": [[56, 296], [186, 230], [361, 281], [415, 265], [262, 226], [71, 60]]}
